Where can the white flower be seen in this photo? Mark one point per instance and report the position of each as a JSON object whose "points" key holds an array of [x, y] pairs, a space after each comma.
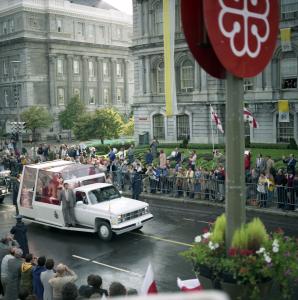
{"points": [[275, 243], [275, 249], [260, 251], [212, 245], [267, 258], [206, 235], [198, 239]]}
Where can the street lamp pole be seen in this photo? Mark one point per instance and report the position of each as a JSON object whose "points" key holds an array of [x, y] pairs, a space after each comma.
{"points": [[17, 102]]}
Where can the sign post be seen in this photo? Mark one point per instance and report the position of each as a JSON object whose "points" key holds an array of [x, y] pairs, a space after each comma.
{"points": [[240, 38], [235, 179]]}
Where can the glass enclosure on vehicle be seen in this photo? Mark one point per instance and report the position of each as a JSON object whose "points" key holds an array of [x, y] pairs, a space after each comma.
{"points": [[50, 178], [28, 184]]}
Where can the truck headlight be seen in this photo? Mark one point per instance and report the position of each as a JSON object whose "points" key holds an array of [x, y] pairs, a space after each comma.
{"points": [[146, 210], [115, 220]]}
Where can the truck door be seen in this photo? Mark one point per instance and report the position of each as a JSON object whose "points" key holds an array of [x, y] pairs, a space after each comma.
{"points": [[82, 210]]}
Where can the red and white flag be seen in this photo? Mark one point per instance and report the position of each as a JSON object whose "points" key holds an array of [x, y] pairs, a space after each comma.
{"points": [[190, 285], [149, 284], [216, 119], [248, 117]]}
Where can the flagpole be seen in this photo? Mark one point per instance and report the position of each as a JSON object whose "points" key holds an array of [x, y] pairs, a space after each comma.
{"points": [[211, 130]]}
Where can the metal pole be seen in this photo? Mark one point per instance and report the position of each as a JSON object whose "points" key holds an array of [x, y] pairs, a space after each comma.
{"points": [[235, 184], [20, 128]]}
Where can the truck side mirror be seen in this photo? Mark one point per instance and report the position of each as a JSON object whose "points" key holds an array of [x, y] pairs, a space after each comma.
{"points": [[79, 203]]}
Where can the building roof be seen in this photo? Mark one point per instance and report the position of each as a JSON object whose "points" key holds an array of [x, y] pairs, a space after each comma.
{"points": [[94, 3]]}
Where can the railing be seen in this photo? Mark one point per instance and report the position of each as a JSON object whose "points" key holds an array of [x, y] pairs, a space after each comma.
{"points": [[207, 189]]}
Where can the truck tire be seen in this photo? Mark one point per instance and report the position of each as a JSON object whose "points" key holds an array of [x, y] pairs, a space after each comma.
{"points": [[104, 231], [1, 199]]}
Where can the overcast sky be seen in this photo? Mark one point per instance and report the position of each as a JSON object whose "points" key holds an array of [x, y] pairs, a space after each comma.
{"points": [[123, 5]]}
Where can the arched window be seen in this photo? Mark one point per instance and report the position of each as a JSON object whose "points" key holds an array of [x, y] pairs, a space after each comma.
{"points": [[158, 18], [160, 78], [187, 76], [182, 127], [159, 126], [285, 130], [288, 71]]}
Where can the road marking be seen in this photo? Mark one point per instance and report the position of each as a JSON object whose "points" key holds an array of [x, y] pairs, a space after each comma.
{"points": [[192, 220], [80, 257], [108, 266], [162, 239]]}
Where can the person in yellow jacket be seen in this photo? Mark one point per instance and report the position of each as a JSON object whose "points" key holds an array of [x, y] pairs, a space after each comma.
{"points": [[26, 273], [270, 187]]}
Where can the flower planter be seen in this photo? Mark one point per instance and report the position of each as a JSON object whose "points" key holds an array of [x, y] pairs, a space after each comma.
{"points": [[206, 277], [243, 292]]}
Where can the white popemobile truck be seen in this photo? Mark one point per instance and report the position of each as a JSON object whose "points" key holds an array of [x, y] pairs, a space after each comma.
{"points": [[99, 206]]}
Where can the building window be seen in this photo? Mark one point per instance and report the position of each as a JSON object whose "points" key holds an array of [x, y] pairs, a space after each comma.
{"points": [[119, 70], [5, 68], [119, 33], [285, 130], [90, 31], [91, 68], [11, 25], [106, 96], [60, 66], [248, 84], [288, 73], [158, 126], [160, 78], [77, 92], [187, 76], [105, 68], [76, 66], [5, 27], [91, 96], [60, 96], [6, 104], [80, 29], [119, 95], [182, 127], [101, 31], [59, 25], [158, 19]]}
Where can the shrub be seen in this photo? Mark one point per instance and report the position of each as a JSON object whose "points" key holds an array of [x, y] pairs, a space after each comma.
{"points": [[240, 239], [292, 144], [256, 234], [219, 229]]}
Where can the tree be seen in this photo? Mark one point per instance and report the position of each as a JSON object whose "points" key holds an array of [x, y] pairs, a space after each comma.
{"points": [[102, 124], [73, 111], [128, 128], [36, 117]]}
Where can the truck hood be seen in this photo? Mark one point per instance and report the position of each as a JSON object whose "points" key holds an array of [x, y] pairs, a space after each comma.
{"points": [[120, 205]]}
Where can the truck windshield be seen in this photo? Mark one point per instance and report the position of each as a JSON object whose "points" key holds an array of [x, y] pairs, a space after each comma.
{"points": [[103, 194]]}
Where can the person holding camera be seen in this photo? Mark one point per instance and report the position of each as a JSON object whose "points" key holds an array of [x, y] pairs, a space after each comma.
{"points": [[63, 275]]}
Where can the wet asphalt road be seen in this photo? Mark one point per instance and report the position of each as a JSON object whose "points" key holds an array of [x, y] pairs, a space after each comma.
{"points": [[126, 257]]}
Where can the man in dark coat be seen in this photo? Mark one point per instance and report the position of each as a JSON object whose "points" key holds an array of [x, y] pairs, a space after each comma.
{"points": [[37, 284], [15, 192], [20, 234], [68, 200], [14, 276], [136, 184]]}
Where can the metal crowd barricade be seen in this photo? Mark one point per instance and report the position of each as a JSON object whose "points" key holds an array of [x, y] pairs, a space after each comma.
{"points": [[208, 189]]}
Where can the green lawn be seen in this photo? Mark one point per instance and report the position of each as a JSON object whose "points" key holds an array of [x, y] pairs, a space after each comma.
{"points": [[204, 155]]}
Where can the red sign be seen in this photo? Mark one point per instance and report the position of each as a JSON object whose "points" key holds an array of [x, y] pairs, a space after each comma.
{"points": [[243, 33], [197, 39]]}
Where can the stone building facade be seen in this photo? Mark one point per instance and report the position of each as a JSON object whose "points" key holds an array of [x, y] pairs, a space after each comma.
{"points": [[196, 90], [51, 50]]}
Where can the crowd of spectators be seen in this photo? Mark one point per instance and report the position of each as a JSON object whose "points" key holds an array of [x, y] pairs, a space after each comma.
{"points": [[27, 277], [176, 175]]}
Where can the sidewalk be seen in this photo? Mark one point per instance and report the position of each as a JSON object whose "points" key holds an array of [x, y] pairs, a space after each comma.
{"points": [[269, 211]]}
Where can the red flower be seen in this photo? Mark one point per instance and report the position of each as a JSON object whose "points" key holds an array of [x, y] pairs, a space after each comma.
{"points": [[205, 230], [232, 252], [245, 252]]}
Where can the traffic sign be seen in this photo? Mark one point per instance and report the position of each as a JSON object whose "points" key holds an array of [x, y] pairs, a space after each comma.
{"points": [[243, 33], [197, 38]]}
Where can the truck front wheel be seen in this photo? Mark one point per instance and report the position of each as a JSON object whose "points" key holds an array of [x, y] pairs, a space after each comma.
{"points": [[104, 231]]}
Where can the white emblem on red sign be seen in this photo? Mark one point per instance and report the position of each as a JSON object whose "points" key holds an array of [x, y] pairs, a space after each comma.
{"points": [[248, 30]]}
